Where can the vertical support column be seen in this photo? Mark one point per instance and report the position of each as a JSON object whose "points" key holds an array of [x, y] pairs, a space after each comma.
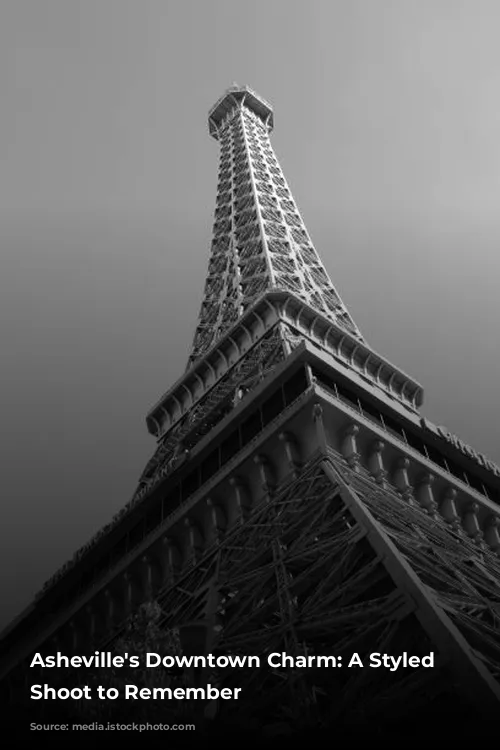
{"points": [[170, 561], [491, 534], [320, 428], [349, 447], [194, 542], [402, 481], [425, 494], [448, 509], [471, 523], [376, 463], [311, 377], [216, 522], [287, 344], [239, 509], [266, 474], [292, 452]]}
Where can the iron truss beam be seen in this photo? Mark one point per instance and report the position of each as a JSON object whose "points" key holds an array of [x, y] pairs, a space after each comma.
{"points": [[330, 565]]}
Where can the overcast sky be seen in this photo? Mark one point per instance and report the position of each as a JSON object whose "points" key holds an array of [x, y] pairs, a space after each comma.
{"points": [[387, 126]]}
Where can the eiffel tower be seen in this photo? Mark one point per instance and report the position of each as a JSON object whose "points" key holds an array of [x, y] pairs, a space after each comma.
{"points": [[297, 502]]}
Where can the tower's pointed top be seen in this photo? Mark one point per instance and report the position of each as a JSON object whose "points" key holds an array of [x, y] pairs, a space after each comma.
{"points": [[232, 96]]}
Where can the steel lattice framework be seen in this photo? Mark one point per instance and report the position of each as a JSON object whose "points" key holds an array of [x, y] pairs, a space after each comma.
{"points": [[296, 502], [260, 242], [331, 564]]}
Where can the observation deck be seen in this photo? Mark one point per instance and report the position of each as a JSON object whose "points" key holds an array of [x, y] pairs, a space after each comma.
{"points": [[235, 95]]}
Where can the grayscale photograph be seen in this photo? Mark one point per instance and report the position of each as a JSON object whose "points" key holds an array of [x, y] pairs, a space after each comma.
{"points": [[249, 263]]}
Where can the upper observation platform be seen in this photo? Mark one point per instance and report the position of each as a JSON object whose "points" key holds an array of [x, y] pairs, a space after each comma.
{"points": [[235, 95]]}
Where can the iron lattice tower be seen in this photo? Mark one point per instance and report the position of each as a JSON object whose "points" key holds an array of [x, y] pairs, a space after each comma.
{"points": [[260, 242], [297, 501]]}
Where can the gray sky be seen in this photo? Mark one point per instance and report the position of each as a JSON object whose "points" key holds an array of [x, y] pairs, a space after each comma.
{"points": [[387, 127]]}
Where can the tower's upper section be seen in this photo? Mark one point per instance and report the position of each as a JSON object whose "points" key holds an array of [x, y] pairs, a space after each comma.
{"points": [[234, 96], [260, 243]]}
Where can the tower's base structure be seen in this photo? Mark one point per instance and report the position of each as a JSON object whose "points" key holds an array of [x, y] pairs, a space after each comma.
{"points": [[297, 503]]}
